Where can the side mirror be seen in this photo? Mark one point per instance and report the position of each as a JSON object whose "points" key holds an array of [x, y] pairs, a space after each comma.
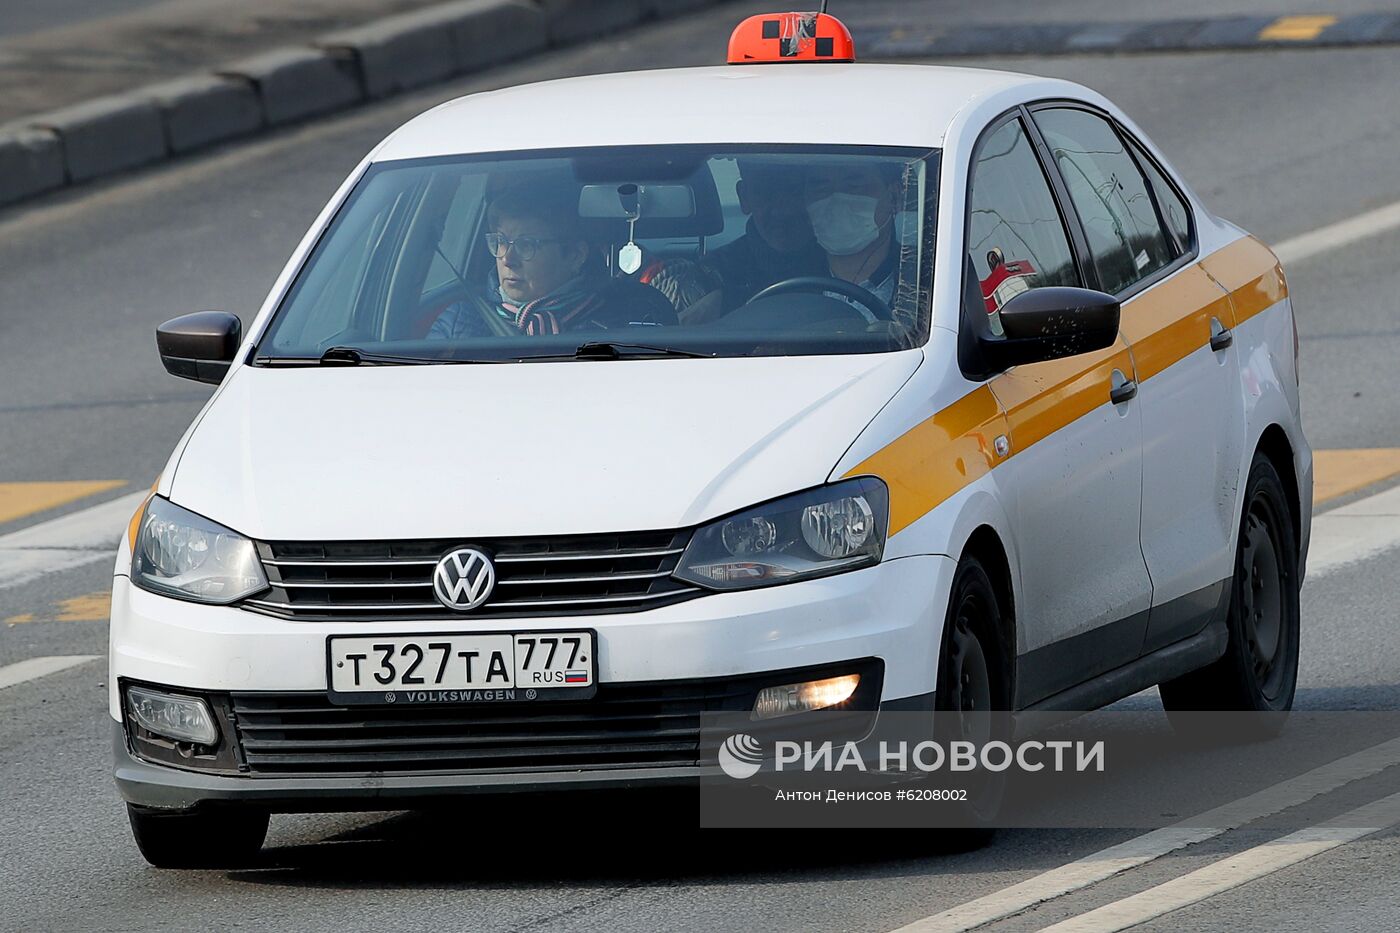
{"points": [[199, 346], [1050, 323]]}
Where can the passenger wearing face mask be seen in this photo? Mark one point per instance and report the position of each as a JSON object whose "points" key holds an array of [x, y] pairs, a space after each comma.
{"points": [[852, 206], [776, 245]]}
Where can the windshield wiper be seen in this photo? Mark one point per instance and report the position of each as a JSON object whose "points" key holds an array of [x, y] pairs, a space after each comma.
{"points": [[607, 350], [354, 356]]}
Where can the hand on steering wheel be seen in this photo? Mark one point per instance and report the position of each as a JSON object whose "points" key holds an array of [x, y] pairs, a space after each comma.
{"points": [[822, 283]]}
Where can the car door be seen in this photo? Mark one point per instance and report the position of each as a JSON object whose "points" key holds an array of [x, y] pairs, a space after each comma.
{"points": [[1177, 320], [1074, 485]]}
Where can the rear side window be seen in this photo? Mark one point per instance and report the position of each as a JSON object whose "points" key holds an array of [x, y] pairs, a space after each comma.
{"points": [[1171, 205], [1016, 237], [1126, 236]]}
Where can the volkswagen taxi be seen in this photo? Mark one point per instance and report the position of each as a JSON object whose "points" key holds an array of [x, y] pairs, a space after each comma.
{"points": [[843, 385]]}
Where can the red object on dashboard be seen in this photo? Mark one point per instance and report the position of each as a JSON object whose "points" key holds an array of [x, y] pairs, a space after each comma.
{"points": [[1006, 280]]}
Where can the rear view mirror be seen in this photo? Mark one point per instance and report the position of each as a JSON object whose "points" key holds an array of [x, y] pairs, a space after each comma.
{"points": [[199, 346], [1050, 323], [654, 202]]}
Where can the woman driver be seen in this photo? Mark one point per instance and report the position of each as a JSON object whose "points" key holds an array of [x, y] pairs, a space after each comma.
{"points": [[546, 279]]}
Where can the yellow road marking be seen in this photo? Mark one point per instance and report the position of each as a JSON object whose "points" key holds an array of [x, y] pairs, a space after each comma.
{"points": [[1338, 472], [94, 607], [20, 499], [1296, 28]]}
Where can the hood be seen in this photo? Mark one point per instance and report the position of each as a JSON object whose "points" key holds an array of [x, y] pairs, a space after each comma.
{"points": [[494, 450]]}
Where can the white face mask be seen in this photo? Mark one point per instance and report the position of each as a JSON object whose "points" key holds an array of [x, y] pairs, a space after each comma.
{"points": [[844, 223]]}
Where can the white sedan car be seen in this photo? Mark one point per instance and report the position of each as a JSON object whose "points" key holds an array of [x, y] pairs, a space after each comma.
{"points": [[590, 406]]}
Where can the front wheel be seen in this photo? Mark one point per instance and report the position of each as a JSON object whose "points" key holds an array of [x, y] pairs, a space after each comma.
{"points": [[1259, 670], [973, 695], [198, 838]]}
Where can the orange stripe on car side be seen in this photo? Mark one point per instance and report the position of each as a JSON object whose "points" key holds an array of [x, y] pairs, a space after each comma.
{"points": [[1250, 272], [937, 457], [1171, 320], [1041, 398]]}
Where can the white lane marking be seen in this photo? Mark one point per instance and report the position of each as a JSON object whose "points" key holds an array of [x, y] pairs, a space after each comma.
{"points": [[1342, 233], [1104, 864], [83, 537], [1354, 532], [34, 668], [1238, 869]]}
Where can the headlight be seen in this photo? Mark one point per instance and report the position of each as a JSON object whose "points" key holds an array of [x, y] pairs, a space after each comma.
{"points": [[823, 531], [179, 553]]}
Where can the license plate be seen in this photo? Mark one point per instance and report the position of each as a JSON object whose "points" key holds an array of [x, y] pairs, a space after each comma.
{"points": [[480, 667]]}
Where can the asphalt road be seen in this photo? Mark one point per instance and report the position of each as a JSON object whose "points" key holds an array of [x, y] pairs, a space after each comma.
{"points": [[1280, 141], [25, 17]]}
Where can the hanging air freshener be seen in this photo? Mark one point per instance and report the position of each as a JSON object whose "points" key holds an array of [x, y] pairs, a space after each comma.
{"points": [[629, 258]]}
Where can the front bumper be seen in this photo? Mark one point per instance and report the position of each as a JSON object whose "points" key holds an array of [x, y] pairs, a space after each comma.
{"points": [[892, 612], [151, 785]]}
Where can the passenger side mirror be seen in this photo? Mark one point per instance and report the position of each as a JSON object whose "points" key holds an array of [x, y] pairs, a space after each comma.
{"points": [[1050, 323], [200, 346]]}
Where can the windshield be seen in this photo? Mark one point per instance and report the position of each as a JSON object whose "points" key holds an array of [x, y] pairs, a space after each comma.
{"points": [[659, 251]]}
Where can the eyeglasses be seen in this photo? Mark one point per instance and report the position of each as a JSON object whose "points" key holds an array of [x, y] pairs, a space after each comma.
{"points": [[525, 246]]}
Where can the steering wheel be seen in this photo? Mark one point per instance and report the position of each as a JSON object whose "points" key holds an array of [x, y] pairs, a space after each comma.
{"points": [[822, 283]]}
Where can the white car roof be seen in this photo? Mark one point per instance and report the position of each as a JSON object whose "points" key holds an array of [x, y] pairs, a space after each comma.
{"points": [[872, 105]]}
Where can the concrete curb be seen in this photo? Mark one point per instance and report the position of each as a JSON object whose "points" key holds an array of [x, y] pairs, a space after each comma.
{"points": [[31, 163], [106, 135], [205, 109], [114, 134], [416, 49], [297, 83]]}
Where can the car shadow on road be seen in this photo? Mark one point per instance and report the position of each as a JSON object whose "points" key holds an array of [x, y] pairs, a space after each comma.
{"points": [[636, 837], [653, 836]]}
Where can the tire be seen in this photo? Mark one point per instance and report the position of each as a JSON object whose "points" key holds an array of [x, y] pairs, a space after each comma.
{"points": [[198, 838], [974, 678], [1259, 671]]}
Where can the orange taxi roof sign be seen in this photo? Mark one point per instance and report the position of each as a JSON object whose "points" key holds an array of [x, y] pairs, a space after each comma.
{"points": [[791, 37]]}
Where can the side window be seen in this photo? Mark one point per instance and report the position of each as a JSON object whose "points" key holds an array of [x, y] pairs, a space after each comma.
{"points": [[462, 218], [1173, 207], [1110, 195], [1016, 237]]}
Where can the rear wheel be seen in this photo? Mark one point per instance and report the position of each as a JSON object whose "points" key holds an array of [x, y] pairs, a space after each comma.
{"points": [[1259, 670], [973, 696], [198, 838]]}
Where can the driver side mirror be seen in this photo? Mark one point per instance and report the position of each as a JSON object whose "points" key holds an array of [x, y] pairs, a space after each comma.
{"points": [[1050, 323], [200, 346]]}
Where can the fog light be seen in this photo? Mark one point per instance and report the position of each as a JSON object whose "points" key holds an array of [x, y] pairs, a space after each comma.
{"points": [[799, 698], [184, 719]]}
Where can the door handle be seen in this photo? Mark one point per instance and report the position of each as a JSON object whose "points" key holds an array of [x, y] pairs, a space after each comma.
{"points": [[1220, 336], [1122, 388]]}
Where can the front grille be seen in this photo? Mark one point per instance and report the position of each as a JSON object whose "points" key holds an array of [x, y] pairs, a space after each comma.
{"points": [[378, 580], [623, 726]]}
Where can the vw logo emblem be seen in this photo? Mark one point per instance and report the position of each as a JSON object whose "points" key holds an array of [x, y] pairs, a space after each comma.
{"points": [[464, 579]]}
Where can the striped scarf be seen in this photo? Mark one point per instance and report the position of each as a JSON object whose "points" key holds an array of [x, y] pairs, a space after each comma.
{"points": [[552, 313]]}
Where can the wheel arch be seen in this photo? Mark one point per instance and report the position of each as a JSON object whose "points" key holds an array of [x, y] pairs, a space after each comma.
{"points": [[985, 545], [1274, 444]]}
